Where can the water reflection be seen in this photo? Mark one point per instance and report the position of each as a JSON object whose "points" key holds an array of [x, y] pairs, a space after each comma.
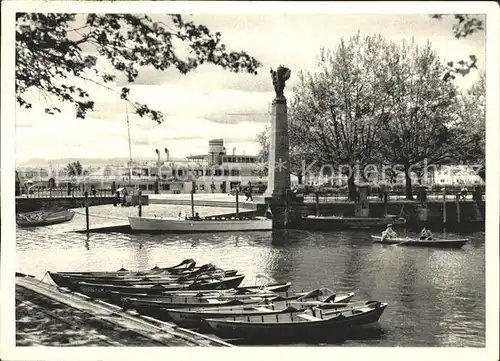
{"points": [[436, 297]]}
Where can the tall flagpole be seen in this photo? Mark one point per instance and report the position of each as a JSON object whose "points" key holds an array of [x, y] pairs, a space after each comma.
{"points": [[129, 149]]}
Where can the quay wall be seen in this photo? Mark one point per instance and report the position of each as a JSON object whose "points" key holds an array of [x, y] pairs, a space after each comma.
{"points": [[463, 214], [35, 204]]}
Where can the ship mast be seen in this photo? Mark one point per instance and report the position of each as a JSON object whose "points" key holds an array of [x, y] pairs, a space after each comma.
{"points": [[129, 149]]}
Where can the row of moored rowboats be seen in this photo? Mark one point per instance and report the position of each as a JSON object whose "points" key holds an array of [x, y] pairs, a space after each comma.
{"points": [[212, 300]]}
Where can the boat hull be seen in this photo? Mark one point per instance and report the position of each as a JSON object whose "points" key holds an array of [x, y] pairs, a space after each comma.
{"points": [[188, 265], [284, 327], [174, 225], [193, 318], [66, 280], [442, 243], [240, 292], [45, 220], [340, 223], [159, 310], [97, 290]]}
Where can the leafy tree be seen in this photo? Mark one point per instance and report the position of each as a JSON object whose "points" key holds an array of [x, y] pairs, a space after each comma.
{"points": [[420, 110], [74, 169], [471, 148], [264, 139], [340, 107], [49, 54], [470, 142], [464, 26]]}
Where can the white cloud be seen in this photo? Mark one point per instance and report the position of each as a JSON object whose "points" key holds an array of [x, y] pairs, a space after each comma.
{"points": [[211, 102]]}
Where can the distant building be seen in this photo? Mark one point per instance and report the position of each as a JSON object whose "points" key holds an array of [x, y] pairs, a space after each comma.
{"points": [[457, 174], [214, 171]]}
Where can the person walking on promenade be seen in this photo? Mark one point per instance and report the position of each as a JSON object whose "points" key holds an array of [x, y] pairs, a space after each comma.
{"points": [[249, 192]]}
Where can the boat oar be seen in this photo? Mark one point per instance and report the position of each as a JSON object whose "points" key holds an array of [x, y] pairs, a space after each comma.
{"points": [[397, 244]]}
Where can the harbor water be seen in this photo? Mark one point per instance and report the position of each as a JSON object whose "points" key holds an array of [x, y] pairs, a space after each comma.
{"points": [[436, 296]]}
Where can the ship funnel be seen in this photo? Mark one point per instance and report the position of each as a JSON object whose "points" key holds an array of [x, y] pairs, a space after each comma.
{"points": [[158, 159]]}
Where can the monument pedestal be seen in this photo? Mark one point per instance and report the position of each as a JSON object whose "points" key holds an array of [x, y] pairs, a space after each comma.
{"points": [[422, 213], [361, 207], [278, 179], [285, 209]]}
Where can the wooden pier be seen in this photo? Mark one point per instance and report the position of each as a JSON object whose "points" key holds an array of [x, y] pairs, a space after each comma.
{"points": [[100, 312]]}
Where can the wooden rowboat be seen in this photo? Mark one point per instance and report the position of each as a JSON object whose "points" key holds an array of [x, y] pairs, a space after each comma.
{"points": [[273, 290], [193, 318], [157, 309], [313, 323], [99, 290], [187, 265], [44, 218], [65, 280], [414, 242]]}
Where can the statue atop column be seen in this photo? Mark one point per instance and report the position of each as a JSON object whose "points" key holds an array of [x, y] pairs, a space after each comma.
{"points": [[280, 76]]}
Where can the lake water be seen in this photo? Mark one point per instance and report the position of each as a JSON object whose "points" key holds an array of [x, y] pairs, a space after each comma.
{"points": [[436, 296]]}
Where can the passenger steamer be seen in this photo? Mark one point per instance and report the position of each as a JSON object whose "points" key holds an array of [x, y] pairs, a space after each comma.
{"points": [[214, 172]]}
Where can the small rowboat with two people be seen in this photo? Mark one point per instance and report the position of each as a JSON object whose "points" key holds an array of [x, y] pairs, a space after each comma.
{"points": [[44, 218], [314, 323], [415, 242]]}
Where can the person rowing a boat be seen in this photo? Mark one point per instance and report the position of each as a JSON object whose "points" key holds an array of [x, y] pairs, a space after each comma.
{"points": [[425, 234], [388, 233]]}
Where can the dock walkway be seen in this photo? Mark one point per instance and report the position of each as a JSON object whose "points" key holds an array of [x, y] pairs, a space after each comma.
{"points": [[96, 316]]}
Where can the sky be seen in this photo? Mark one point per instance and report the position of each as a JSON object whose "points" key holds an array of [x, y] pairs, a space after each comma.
{"points": [[211, 102]]}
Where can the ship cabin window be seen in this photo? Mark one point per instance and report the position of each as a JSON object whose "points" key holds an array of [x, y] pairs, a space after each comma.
{"points": [[235, 172], [224, 159], [165, 187], [226, 172], [143, 187], [150, 187], [218, 172], [208, 172], [234, 160]]}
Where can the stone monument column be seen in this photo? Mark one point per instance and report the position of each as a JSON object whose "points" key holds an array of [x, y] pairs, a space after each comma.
{"points": [[278, 180]]}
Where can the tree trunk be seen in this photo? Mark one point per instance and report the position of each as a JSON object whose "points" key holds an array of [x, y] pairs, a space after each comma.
{"points": [[409, 190], [299, 177], [482, 173], [352, 188]]}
